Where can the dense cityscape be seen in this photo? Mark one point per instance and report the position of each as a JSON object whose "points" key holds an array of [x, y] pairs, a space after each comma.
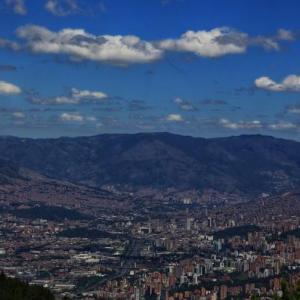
{"points": [[186, 248]]}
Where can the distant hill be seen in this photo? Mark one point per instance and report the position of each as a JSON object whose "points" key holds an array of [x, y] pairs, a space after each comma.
{"points": [[248, 164]]}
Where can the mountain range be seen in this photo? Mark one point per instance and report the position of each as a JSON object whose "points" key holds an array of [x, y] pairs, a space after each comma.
{"points": [[247, 164]]}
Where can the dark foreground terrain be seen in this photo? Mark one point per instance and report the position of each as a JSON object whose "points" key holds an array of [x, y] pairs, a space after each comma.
{"points": [[14, 289]]}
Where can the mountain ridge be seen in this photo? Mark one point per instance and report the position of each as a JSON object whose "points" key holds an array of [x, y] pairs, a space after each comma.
{"points": [[248, 164]]}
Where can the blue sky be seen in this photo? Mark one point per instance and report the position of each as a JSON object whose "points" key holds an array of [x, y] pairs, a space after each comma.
{"points": [[202, 68]]}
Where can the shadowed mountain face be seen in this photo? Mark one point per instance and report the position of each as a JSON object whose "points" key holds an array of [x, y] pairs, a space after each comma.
{"points": [[9, 171], [247, 164]]}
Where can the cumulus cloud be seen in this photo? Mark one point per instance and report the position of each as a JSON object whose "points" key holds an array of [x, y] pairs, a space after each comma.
{"points": [[62, 8], [207, 43], [91, 119], [78, 96], [285, 35], [282, 125], [18, 115], [75, 96], [290, 83], [80, 45], [9, 88], [71, 117], [223, 41], [76, 118], [18, 6], [255, 124], [9, 45], [269, 42], [174, 118], [184, 105]]}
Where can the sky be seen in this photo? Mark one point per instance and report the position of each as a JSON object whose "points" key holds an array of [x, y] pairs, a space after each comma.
{"points": [[203, 68]]}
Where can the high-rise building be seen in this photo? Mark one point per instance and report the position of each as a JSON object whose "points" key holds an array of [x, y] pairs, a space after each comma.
{"points": [[209, 222], [195, 279], [136, 293], [223, 292], [189, 222]]}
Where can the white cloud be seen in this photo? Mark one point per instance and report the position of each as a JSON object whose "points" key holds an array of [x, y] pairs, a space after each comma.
{"points": [[18, 115], [283, 125], [178, 100], [208, 43], [91, 119], [255, 124], [174, 118], [77, 118], [80, 45], [184, 105], [290, 83], [223, 41], [285, 35], [293, 109], [9, 45], [86, 94], [18, 6], [62, 8], [268, 84], [71, 117], [75, 96], [187, 107], [9, 88]]}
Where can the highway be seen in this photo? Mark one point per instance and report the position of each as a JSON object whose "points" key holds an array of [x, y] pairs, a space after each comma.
{"points": [[127, 263]]}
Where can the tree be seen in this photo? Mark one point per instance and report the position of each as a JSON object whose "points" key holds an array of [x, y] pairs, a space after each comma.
{"points": [[14, 289]]}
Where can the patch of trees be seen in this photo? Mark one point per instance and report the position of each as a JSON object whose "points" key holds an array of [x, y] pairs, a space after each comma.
{"points": [[295, 232], [14, 289], [288, 293], [53, 213], [235, 231], [85, 233]]}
